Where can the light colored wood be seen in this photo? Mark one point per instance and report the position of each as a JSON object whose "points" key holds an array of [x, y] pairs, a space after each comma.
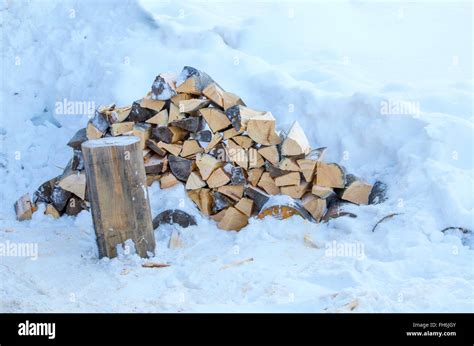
{"points": [[237, 154], [92, 132], [118, 194], [191, 147], [51, 210], [288, 164], [192, 105], [203, 200], [195, 181], [207, 164], [314, 205], [218, 216], [267, 183], [218, 178], [152, 147], [245, 205], [296, 143], [307, 167], [233, 220], [330, 175], [160, 119], [231, 133], [75, 183], [216, 138], [181, 97], [235, 192], [117, 115], [322, 191], [296, 191], [174, 149], [214, 93], [190, 86], [156, 105], [230, 100], [270, 154], [155, 165], [175, 240], [24, 208], [215, 118], [142, 131], [357, 192], [255, 159], [292, 178], [174, 113], [178, 134], [118, 129], [262, 130], [244, 141], [254, 175], [168, 180]]}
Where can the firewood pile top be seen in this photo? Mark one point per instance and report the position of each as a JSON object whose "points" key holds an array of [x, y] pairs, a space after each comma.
{"points": [[230, 157]]}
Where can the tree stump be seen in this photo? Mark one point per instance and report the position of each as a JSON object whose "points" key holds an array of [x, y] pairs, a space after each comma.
{"points": [[118, 194]]}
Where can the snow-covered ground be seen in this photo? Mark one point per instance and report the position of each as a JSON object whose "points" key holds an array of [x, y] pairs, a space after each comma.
{"points": [[334, 66]]}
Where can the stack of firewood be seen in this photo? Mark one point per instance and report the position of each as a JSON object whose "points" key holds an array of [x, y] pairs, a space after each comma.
{"points": [[230, 157]]}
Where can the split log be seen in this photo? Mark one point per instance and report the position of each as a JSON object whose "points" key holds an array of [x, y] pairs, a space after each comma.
{"points": [[330, 175], [282, 212], [288, 164], [378, 193], [270, 154], [258, 197], [153, 145], [190, 148], [180, 167], [174, 113], [74, 183], [245, 205], [174, 216], [221, 202], [118, 194], [194, 181], [142, 131], [78, 138], [155, 165], [192, 81], [191, 124], [203, 200], [233, 220], [237, 154], [173, 149], [240, 115], [296, 143], [218, 216], [215, 118], [117, 115], [118, 129], [192, 105], [254, 175], [202, 136], [168, 134], [168, 180], [308, 168], [262, 130], [207, 164], [181, 97], [24, 208], [154, 105], [322, 191], [268, 184], [214, 93], [140, 114], [51, 210], [292, 178], [160, 119], [231, 100], [218, 178], [234, 192], [356, 191], [315, 206], [216, 138], [237, 176], [227, 134], [164, 87], [296, 191], [244, 141], [255, 159]]}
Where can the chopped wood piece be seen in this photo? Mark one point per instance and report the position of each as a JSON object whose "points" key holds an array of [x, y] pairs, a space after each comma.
{"points": [[174, 216], [155, 265], [218, 178], [194, 181], [215, 118], [258, 197], [245, 206], [237, 154], [254, 175], [207, 164], [154, 105], [322, 191], [153, 145], [191, 124], [193, 81], [282, 212], [164, 87], [221, 202], [142, 131], [160, 119], [92, 132], [51, 210], [117, 115], [308, 168], [169, 134], [203, 200], [316, 154], [45, 191], [180, 167], [268, 184], [270, 154], [235, 192], [237, 176], [59, 197], [214, 93], [181, 97], [78, 138], [297, 191], [233, 220], [240, 115], [218, 216], [275, 171], [151, 178], [75, 183], [255, 159], [230, 100], [191, 147], [378, 193], [74, 206], [296, 143], [140, 114], [216, 138], [192, 105], [262, 130], [244, 141], [292, 178], [168, 180], [203, 136], [24, 208], [174, 113], [288, 164], [175, 241], [154, 165], [174, 149], [314, 205], [118, 129], [356, 191], [231, 133], [330, 175]]}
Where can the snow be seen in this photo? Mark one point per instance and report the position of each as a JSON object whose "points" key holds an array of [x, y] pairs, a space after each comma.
{"points": [[331, 66]]}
